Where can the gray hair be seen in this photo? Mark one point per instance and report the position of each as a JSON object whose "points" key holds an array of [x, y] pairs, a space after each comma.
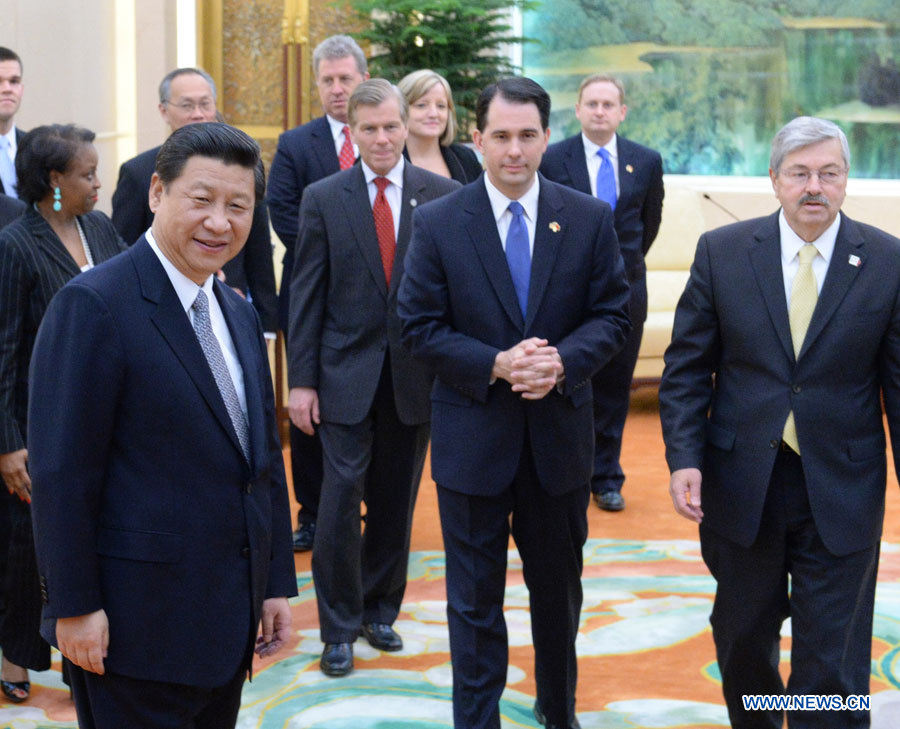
{"points": [[375, 92], [339, 46], [801, 132], [165, 86]]}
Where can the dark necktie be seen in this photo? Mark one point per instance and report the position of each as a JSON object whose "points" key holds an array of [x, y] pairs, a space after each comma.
{"points": [[606, 179], [518, 254], [346, 157], [213, 352], [384, 228]]}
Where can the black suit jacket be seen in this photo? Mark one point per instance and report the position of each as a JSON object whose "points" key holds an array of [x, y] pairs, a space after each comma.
{"points": [[343, 316], [458, 309], [639, 205], [305, 154], [19, 135], [250, 270], [143, 502], [35, 265], [460, 160], [10, 209], [731, 378]]}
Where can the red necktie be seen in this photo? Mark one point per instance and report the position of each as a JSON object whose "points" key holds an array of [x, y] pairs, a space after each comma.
{"points": [[346, 158], [384, 228]]}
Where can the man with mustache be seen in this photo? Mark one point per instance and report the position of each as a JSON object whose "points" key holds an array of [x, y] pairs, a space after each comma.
{"points": [[786, 342]]}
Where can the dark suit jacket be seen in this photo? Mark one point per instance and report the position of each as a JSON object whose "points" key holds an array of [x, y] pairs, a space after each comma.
{"points": [[304, 155], [35, 265], [732, 323], [10, 209], [460, 160], [639, 205], [343, 317], [19, 135], [250, 270], [143, 502], [458, 309]]}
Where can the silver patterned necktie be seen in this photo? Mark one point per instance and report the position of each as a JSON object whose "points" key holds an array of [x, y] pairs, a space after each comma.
{"points": [[213, 352]]}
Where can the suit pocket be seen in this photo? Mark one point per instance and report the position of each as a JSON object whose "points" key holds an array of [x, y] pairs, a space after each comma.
{"points": [[719, 437], [140, 546], [334, 339], [866, 448]]}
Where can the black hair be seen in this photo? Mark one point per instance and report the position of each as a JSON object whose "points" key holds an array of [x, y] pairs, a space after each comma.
{"points": [[518, 90], [43, 149], [7, 54]]}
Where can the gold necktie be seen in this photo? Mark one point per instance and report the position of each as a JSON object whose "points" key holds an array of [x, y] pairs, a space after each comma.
{"points": [[804, 295]]}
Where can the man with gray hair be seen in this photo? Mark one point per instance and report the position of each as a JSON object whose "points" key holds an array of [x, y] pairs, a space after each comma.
{"points": [[786, 342], [353, 382], [305, 155]]}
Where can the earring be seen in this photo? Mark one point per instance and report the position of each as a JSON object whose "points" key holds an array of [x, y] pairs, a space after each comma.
{"points": [[57, 205]]}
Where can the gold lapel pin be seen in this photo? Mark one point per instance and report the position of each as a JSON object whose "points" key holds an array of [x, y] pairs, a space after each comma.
{"points": [[629, 168], [554, 226]]}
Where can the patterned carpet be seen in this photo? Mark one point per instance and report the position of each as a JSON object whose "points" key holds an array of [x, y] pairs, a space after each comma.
{"points": [[645, 650]]}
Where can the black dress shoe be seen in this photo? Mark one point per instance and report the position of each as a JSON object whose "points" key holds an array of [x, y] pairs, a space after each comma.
{"points": [[381, 636], [610, 500], [337, 659], [304, 536], [542, 720]]}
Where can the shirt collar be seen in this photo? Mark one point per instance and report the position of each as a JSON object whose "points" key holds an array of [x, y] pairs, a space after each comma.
{"points": [[395, 175], [590, 149], [791, 243], [500, 203], [185, 288], [337, 127]]}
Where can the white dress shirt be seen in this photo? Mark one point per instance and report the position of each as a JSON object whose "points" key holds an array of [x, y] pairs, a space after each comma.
{"points": [[11, 147], [500, 206], [593, 161], [393, 192], [791, 243], [187, 292], [337, 132]]}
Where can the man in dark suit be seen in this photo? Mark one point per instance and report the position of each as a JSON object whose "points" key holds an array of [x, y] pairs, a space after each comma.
{"points": [[10, 209], [351, 379], [627, 175], [305, 155], [11, 88], [188, 96], [514, 294], [161, 513], [786, 339]]}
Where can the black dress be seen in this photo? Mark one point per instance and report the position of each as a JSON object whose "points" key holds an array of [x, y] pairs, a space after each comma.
{"points": [[460, 160]]}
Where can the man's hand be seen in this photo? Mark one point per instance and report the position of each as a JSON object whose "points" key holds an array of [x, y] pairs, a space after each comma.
{"points": [[14, 470], [276, 626], [303, 407], [684, 487], [84, 640], [532, 368]]}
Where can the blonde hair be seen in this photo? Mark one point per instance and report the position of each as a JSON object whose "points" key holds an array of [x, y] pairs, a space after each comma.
{"points": [[418, 83], [602, 78]]}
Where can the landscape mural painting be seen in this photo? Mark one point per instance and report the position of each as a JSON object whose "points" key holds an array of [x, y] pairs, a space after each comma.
{"points": [[709, 82]]}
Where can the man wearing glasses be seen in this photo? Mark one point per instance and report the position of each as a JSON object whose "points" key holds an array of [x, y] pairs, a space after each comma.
{"points": [[786, 340]]}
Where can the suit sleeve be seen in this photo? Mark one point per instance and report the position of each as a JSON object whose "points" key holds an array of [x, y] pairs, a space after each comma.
{"points": [[284, 192], [651, 213], [129, 203], [686, 390], [423, 305], [309, 289], [76, 373], [13, 311], [890, 380]]}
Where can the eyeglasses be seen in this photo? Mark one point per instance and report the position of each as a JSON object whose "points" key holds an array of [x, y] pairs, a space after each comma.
{"points": [[205, 105], [801, 176]]}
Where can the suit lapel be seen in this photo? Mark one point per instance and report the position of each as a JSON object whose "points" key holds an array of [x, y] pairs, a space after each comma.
{"points": [[323, 145], [765, 258], [626, 160], [482, 229], [47, 240], [173, 324], [546, 246], [576, 165], [838, 279], [414, 188], [359, 213]]}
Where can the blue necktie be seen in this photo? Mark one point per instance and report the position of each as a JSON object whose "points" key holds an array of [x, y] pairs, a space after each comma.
{"points": [[518, 254], [606, 179], [7, 169]]}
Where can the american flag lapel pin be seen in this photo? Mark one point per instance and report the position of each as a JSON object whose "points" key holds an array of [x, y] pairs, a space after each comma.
{"points": [[855, 260], [629, 168]]}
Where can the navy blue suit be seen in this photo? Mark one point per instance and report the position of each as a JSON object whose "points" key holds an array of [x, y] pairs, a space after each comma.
{"points": [[637, 218], [494, 453], [144, 504]]}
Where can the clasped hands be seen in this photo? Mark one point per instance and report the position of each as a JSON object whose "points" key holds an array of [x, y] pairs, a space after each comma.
{"points": [[532, 367]]}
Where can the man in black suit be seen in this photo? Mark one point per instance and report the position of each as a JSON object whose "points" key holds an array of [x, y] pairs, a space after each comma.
{"points": [[786, 342], [188, 96], [514, 294], [160, 506], [351, 379], [11, 88], [628, 176], [305, 155]]}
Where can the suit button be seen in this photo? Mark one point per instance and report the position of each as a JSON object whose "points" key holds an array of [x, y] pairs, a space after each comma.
{"points": [[245, 553], [249, 488], [796, 388], [773, 443]]}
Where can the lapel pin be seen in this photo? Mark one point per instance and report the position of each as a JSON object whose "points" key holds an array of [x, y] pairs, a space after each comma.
{"points": [[413, 202], [629, 168], [855, 260], [554, 226]]}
